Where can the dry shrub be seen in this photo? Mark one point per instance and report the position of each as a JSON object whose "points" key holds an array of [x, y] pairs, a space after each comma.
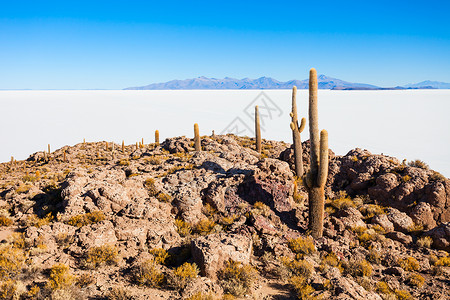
{"points": [[298, 267], [384, 288], [35, 221], [418, 164], [184, 274], [149, 183], [237, 278], [443, 261], [84, 280], [360, 268], [262, 208], [415, 280], [202, 296], [8, 290], [148, 273], [161, 255], [119, 293], [425, 241], [409, 264], [341, 201], [163, 197], [5, 221], [86, 219], [204, 226], [60, 277], [436, 176], [23, 188], [403, 295], [105, 254], [183, 228], [371, 210], [302, 246], [11, 261], [301, 287]]}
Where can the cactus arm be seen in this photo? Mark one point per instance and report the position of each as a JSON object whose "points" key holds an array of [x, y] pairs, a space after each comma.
{"points": [[257, 130], [302, 125], [313, 122], [323, 170]]}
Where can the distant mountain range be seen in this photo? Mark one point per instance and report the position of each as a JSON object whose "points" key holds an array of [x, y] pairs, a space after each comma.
{"points": [[325, 82]]}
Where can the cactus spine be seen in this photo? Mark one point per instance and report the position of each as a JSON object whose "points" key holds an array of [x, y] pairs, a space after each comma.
{"points": [[318, 172], [197, 138], [257, 130], [157, 137], [296, 130]]}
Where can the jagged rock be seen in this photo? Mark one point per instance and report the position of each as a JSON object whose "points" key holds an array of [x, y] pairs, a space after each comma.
{"points": [[422, 214], [384, 222], [400, 237], [402, 222], [212, 251], [98, 234], [346, 288], [351, 217], [203, 285], [440, 236]]}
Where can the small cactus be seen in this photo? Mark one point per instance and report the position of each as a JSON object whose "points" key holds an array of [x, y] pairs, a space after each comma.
{"points": [[197, 138], [123, 146], [257, 130], [64, 155], [49, 149], [296, 130], [157, 137], [318, 172]]}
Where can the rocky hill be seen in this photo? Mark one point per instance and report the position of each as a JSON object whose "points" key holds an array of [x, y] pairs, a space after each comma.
{"points": [[97, 221]]}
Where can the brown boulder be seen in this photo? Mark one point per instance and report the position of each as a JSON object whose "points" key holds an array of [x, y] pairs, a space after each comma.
{"points": [[212, 251]]}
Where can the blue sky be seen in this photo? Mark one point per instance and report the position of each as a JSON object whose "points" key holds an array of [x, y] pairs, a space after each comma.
{"points": [[116, 44]]}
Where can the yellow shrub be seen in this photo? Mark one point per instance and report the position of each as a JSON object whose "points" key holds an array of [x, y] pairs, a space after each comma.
{"points": [[262, 208], [383, 288], [371, 210], [341, 201], [160, 255], [361, 268], [8, 290], [236, 278], [299, 267], [302, 289], [403, 295], [35, 221], [148, 273], [443, 261], [183, 228], [97, 256], [5, 221], [204, 226], [163, 197], [84, 280], [415, 280], [23, 188], [331, 259], [60, 277], [124, 162], [118, 293], [17, 240], [183, 274], [34, 292], [11, 261], [302, 245], [86, 219], [425, 241], [409, 264], [149, 183], [201, 296]]}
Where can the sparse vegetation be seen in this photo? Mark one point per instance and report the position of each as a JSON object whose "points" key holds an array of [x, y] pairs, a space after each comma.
{"points": [[302, 246], [409, 264], [415, 280], [236, 278], [183, 274], [60, 277], [148, 273], [183, 228], [86, 219], [204, 226], [97, 256]]}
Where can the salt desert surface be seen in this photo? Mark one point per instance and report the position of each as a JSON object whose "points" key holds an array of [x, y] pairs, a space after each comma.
{"points": [[411, 124]]}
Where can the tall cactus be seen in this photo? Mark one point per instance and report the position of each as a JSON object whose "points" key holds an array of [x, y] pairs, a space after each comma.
{"points": [[318, 172], [197, 138], [257, 130], [157, 137], [296, 130]]}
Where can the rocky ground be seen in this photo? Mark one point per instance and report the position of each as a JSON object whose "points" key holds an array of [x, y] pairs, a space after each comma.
{"points": [[98, 221]]}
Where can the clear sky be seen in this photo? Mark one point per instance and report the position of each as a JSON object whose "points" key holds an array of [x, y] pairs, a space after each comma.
{"points": [[117, 44]]}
